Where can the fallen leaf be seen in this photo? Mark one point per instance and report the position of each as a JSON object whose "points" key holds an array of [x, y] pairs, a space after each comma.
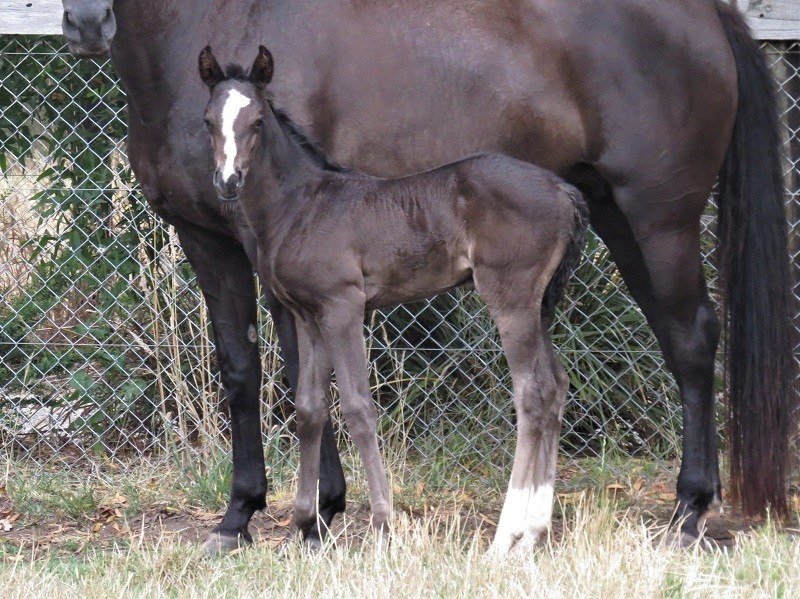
{"points": [[285, 523], [419, 488], [666, 496], [572, 497], [5, 525], [615, 487], [637, 486], [119, 499], [97, 527]]}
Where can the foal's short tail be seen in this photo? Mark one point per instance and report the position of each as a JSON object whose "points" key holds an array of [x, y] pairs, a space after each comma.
{"points": [[556, 286], [754, 264]]}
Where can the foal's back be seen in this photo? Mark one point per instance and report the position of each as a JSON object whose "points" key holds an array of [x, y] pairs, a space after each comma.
{"points": [[421, 235]]}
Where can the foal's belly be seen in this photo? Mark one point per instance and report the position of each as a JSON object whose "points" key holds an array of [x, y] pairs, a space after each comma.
{"points": [[411, 277]]}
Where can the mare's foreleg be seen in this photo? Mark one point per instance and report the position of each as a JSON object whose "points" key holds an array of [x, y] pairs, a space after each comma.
{"points": [[226, 279]]}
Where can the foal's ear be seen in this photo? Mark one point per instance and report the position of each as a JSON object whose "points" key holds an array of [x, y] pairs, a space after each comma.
{"points": [[210, 71], [261, 71]]}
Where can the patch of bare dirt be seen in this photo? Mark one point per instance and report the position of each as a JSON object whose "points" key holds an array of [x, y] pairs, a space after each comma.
{"points": [[649, 500]]}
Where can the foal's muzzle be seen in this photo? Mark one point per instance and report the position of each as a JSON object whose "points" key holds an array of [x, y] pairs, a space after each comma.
{"points": [[228, 189]]}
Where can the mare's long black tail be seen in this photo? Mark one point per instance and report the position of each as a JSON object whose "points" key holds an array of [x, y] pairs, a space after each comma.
{"points": [[555, 288], [754, 265]]}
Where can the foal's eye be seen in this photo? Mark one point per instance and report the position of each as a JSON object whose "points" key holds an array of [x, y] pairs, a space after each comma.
{"points": [[258, 125], [208, 123]]}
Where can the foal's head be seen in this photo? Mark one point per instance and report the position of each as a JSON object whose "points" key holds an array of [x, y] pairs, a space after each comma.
{"points": [[234, 117]]}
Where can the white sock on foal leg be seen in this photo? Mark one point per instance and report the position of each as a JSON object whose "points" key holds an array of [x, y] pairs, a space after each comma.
{"points": [[526, 514]]}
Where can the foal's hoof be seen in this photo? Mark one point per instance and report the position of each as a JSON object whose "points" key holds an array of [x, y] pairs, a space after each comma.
{"points": [[219, 544], [677, 539], [514, 546]]}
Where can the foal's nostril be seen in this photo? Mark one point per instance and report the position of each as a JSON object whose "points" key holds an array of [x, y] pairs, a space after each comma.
{"points": [[69, 20], [217, 179]]}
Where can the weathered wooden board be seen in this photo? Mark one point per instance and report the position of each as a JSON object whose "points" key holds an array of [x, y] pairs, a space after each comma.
{"points": [[30, 16], [770, 19]]}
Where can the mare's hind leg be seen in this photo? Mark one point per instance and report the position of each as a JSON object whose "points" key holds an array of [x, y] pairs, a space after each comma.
{"points": [[540, 388], [312, 415], [659, 258]]}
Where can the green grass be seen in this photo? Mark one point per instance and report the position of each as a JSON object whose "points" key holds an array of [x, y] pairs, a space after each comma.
{"points": [[49, 494]]}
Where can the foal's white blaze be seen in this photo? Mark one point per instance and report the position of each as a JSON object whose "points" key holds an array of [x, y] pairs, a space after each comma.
{"points": [[526, 514], [234, 104]]}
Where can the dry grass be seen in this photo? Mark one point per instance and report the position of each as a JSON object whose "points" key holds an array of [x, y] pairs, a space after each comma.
{"points": [[600, 555], [600, 547], [18, 224]]}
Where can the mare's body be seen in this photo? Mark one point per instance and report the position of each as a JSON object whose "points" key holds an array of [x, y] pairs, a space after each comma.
{"points": [[333, 243], [633, 101]]}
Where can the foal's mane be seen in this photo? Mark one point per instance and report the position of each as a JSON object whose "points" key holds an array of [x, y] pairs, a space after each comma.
{"points": [[288, 126]]}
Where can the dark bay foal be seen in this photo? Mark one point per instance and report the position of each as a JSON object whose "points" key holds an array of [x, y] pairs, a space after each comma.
{"points": [[333, 243]]}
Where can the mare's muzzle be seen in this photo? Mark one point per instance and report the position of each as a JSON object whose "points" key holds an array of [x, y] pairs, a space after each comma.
{"points": [[228, 189], [88, 26]]}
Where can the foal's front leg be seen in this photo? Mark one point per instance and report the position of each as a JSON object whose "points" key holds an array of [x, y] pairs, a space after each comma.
{"points": [[341, 326], [311, 407]]}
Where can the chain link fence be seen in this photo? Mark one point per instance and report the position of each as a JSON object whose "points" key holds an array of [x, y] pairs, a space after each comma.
{"points": [[105, 351]]}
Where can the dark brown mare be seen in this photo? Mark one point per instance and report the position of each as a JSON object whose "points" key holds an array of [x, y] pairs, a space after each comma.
{"points": [[333, 243], [639, 103]]}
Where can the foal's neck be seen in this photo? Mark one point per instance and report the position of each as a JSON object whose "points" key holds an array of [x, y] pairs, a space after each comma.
{"points": [[281, 180], [283, 172]]}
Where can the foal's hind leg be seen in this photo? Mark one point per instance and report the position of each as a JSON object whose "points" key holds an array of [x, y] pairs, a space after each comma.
{"points": [[540, 388]]}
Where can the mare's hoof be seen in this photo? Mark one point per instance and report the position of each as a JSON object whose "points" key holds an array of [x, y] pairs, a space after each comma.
{"points": [[312, 544], [219, 544]]}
